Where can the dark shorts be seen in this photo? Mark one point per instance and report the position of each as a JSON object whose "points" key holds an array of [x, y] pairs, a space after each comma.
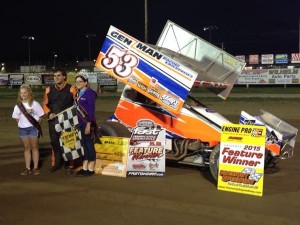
{"points": [[28, 132]]}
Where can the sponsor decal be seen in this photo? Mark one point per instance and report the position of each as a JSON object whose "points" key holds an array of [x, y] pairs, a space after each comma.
{"points": [[169, 101]]}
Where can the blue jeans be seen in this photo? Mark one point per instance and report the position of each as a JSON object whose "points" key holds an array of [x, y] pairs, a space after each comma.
{"points": [[28, 132], [88, 145]]}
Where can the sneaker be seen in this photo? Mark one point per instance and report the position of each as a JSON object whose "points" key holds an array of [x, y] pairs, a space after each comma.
{"points": [[90, 173], [53, 169], [69, 171], [26, 172], [36, 172], [82, 173]]}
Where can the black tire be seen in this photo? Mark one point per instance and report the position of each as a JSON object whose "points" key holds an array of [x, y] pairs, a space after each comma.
{"points": [[214, 162], [116, 129]]}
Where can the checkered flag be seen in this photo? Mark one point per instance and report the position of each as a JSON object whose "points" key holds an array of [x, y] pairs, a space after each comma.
{"points": [[252, 174], [66, 119], [70, 138]]}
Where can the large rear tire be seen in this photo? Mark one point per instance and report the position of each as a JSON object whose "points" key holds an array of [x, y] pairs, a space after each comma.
{"points": [[116, 129], [214, 162]]}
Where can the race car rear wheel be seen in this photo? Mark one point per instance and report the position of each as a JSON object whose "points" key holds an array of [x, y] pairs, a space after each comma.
{"points": [[214, 162], [116, 129]]}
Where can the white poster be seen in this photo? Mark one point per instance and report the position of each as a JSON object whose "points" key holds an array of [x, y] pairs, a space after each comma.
{"points": [[146, 153]]}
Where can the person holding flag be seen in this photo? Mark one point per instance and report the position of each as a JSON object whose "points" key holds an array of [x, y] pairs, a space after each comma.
{"points": [[85, 106], [58, 98]]}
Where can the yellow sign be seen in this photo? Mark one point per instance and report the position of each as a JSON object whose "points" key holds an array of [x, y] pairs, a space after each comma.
{"points": [[69, 138], [112, 156], [241, 161]]}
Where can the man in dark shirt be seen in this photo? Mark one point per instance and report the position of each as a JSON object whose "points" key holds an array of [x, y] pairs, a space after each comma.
{"points": [[57, 98]]}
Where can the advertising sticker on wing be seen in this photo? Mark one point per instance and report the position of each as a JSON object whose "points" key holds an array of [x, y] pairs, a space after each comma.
{"points": [[146, 70]]}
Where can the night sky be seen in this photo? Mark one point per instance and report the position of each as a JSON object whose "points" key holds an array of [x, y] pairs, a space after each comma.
{"points": [[244, 27]]}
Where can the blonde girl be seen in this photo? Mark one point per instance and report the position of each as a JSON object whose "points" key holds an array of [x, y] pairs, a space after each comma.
{"points": [[27, 131]]}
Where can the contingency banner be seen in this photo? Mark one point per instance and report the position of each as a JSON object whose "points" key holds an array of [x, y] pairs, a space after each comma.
{"points": [[146, 154], [270, 76], [16, 79], [241, 161], [146, 70], [3, 79], [33, 79]]}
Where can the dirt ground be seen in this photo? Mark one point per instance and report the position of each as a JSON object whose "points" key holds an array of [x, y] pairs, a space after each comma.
{"points": [[185, 195]]}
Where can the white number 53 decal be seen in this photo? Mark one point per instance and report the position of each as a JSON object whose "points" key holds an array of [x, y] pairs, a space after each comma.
{"points": [[118, 60]]}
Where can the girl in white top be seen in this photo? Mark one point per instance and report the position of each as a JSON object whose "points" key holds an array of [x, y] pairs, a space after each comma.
{"points": [[27, 132]]}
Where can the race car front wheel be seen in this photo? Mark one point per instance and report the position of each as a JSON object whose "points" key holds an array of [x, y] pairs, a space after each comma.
{"points": [[116, 129]]}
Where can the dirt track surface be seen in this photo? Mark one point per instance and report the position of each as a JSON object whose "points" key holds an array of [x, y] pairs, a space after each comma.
{"points": [[185, 195]]}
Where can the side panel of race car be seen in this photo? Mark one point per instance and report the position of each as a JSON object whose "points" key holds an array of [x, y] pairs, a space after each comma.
{"points": [[185, 124]]}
